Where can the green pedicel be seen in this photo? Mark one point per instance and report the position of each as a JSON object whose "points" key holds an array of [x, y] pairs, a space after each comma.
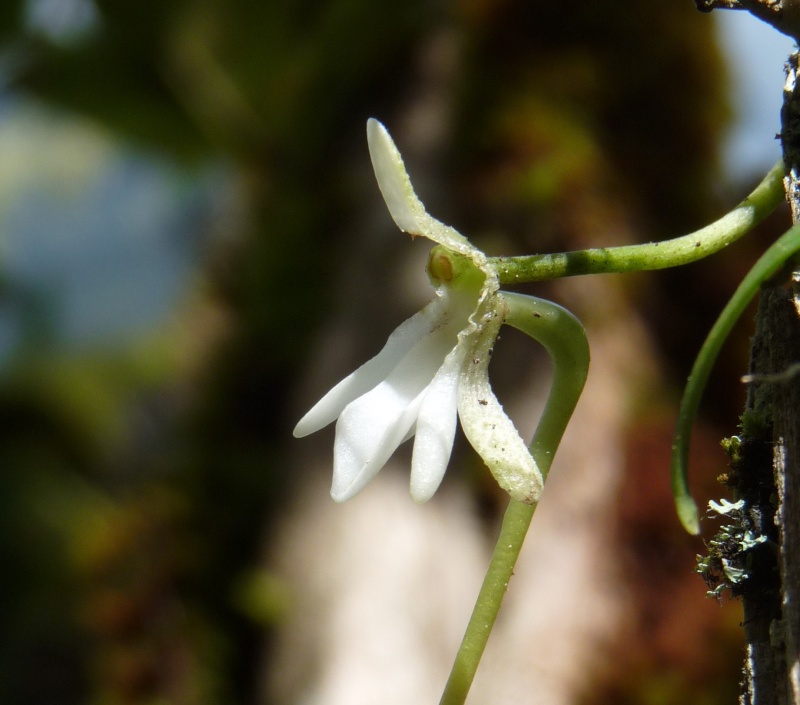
{"points": [[563, 337]]}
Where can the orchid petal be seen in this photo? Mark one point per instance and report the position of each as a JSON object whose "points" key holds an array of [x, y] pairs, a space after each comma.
{"points": [[370, 428], [485, 423], [408, 211], [405, 336], [403, 203], [367, 434], [436, 428]]}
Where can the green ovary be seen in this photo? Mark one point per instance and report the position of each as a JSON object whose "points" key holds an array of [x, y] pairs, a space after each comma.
{"points": [[453, 269]]}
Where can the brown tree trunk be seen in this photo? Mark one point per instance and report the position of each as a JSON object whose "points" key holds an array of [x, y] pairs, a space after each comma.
{"points": [[767, 474]]}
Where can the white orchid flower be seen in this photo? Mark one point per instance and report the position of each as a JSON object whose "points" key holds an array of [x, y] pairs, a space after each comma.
{"points": [[433, 368]]}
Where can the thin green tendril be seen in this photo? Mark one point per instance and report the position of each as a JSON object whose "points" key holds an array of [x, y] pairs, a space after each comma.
{"points": [[767, 266], [563, 337]]}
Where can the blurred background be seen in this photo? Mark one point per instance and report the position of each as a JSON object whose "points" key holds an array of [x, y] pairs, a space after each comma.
{"points": [[193, 250]]}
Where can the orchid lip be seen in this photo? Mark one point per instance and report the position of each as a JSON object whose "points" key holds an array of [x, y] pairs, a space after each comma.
{"points": [[371, 427], [366, 377]]}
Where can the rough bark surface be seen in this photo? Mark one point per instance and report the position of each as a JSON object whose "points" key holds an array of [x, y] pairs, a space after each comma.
{"points": [[787, 407], [784, 15], [786, 432], [770, 482]]}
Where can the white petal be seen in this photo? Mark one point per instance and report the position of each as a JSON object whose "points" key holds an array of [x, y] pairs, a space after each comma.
{"points": [[404, 337], [367, 433], [371, 427], [390, 171], [486, 425], [436, 428], [408, 212], [401, 200]]}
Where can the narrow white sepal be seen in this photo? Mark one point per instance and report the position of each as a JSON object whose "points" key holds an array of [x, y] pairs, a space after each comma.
{"points": [[403, 338], [403, 203], [366, 436], [486, 425], [405, 207], [370, 428], [436, 428]]}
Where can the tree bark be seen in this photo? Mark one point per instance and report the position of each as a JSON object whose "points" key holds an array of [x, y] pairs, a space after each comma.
{"points": [[767, 475], [784, 15]]}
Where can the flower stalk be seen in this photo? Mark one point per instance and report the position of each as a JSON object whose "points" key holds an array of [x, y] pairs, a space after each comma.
{"points": [[564, 338]]}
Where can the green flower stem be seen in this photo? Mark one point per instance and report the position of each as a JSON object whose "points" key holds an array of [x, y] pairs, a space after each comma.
{"points": [[516, 521], [767, 266], [652, 255], [563, 337]]}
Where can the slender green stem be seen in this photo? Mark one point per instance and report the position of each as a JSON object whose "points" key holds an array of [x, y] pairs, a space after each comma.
{"points": [[652, 255], [767, 266], [515, 525], [565, 340]]}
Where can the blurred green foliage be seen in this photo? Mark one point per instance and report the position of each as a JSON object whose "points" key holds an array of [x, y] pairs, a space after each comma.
{"points": [[136, 484]]}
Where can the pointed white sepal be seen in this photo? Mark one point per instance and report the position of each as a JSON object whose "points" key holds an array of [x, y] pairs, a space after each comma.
{"points": [[372, 372], [371, 427], [487, 426], [436, 428], [403, 203]]}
